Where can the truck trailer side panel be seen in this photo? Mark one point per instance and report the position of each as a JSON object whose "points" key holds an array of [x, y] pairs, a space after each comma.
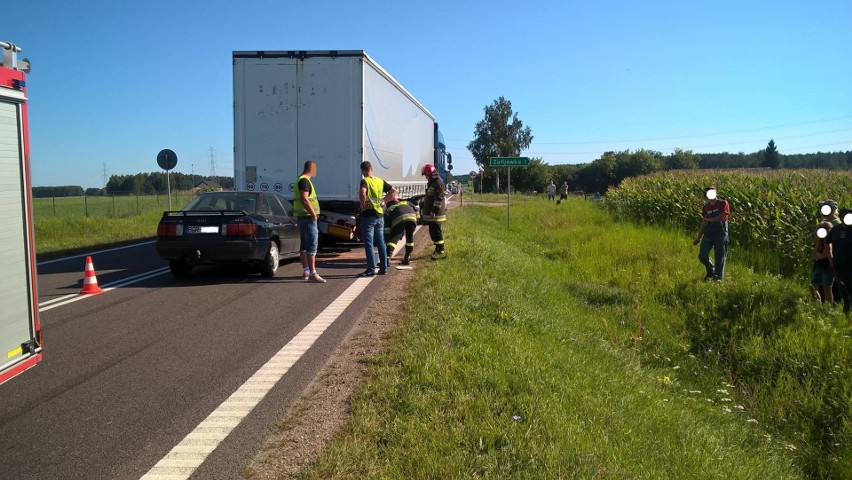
{"points": [[398, 132]]}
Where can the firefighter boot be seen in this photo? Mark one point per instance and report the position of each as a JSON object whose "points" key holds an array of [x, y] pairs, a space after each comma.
{"points": [[439, 252]]}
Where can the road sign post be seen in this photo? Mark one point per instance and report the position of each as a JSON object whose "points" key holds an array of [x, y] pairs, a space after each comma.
{"points": [[509, 162], [167, 160]]}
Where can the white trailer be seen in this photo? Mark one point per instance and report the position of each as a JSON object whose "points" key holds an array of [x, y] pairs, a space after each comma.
{"points": [[20, 331], [337, 108]]}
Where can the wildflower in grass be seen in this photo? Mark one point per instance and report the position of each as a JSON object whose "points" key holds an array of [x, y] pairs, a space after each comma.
{"points": [[665, 380], [751, 420], [726, 409], [722, 390], [724, 399], [695, 392], [790, 446], [516, 418]]}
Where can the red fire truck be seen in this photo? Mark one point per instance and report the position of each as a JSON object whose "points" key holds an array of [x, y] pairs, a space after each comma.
{"points": [[20, 332]]}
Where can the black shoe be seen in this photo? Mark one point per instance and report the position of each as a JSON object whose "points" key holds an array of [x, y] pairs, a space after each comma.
{"points": [[709, 276], [383, 272], [404, 261], [366, 273]]}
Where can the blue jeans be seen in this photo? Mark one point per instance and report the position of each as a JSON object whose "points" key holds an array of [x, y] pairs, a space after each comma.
{"points": [[373, 235], [309, 235], [719, 244]]}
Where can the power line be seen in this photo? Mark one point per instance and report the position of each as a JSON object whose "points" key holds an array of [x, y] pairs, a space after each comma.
{"points": [[212, 163]]}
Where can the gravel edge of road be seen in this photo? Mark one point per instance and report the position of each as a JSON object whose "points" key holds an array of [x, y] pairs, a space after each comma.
{"points": [[323, 409]]}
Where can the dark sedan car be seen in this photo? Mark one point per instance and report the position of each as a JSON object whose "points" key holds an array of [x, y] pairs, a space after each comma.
{"points": [[252, 228]]}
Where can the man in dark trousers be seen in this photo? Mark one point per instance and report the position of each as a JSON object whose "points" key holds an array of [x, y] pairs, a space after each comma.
{"points": [[713, 234], [400, 219], [840, 239], [434, 210]]}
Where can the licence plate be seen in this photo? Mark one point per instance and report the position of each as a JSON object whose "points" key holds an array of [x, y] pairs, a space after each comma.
{"points": [[340, 232], [192, 230]]}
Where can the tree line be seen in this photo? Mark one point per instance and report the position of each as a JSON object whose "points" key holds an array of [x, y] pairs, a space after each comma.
{"points": [[137, 184], [502, 134]]}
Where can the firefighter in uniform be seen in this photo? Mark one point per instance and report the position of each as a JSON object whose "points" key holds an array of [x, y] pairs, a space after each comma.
{"points": [[400, 218], [434, 210]]}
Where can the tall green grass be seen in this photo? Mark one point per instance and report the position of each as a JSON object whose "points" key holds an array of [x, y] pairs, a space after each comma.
{"points": [[110, 220], [574, 346], [113, 206]]}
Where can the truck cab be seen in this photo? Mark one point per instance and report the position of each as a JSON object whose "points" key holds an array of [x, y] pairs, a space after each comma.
{"points": [[443, 158]]}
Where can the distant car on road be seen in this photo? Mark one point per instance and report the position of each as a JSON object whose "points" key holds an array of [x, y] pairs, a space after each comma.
{"points": [[250, 228]]}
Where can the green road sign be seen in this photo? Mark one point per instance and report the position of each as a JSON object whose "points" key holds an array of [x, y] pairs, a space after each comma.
{"points": [[508, 161], [463, 180]]}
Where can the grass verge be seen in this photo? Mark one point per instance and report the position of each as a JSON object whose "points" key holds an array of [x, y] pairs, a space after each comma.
{"points": [[573, 346]]}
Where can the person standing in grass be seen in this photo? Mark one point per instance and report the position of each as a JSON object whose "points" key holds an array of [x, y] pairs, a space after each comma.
{"points": [[828, 210], [822, 276], [563, 192], [840, 241], [551, 190], [713, 234]]}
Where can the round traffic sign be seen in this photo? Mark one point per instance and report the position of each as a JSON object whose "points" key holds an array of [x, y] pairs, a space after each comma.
{"points": [[472, 174], [166, 159]]}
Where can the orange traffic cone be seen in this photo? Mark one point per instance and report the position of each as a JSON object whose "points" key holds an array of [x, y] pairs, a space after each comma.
{"points": [[90, 281]]}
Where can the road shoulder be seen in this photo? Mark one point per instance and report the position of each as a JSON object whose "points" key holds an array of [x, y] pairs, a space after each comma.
{"points": [[297, 440]]}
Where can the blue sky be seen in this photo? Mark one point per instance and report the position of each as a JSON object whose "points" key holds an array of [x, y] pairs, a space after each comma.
{"points": [[113, 83]]}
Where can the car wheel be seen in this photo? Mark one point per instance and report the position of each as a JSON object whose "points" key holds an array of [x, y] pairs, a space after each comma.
{"points": [[270, 263], [180, 269]]}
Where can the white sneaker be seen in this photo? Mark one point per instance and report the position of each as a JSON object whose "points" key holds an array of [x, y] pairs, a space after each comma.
{"points": [[306, 274], [315, 278]]}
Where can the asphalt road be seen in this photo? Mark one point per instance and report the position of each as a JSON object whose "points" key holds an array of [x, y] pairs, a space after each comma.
{"points": [[129, 373]]}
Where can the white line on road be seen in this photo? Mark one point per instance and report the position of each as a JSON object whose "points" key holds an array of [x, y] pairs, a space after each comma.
{"points": [[65, 300], [191, 452], [47, 262]]}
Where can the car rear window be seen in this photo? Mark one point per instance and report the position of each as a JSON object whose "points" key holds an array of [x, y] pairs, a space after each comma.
{"points": [[223, 201]]}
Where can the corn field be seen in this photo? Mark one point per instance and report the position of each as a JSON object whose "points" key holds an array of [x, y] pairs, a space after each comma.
{"points": [[772, 210]]}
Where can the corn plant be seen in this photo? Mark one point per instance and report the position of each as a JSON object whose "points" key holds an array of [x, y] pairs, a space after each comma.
{"points": [[771, 210]]}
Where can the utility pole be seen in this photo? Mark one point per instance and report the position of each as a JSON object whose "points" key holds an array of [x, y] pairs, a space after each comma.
{"points": [[105, 175], [212, 163]]}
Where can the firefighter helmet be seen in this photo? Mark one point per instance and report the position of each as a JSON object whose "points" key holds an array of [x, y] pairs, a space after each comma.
{"points": [[428, 170]]}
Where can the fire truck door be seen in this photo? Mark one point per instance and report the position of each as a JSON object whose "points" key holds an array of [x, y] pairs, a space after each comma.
{"points": [[16, 324]]}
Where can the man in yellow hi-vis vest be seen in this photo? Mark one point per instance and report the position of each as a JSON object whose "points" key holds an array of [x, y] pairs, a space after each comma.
{"points": [[374, 192], [306, 209]]}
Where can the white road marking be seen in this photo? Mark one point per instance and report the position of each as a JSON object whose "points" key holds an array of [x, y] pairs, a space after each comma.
{"points": [[74, 297], [191, 452], [57, 260]]}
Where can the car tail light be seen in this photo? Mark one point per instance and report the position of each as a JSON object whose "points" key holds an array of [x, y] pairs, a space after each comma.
{"points": [[241, 229], [169, 229]]}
